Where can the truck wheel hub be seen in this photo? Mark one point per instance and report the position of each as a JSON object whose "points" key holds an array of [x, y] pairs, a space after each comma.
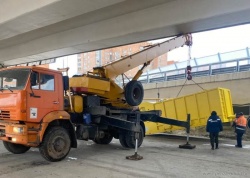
{"points": [[59, 144]]}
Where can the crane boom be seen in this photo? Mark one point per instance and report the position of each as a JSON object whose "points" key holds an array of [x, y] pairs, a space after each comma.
{"points": [[123, 65], [101, 81]]}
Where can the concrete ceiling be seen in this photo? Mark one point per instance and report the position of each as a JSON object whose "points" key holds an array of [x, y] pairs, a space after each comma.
{"points": [[35, 30]]}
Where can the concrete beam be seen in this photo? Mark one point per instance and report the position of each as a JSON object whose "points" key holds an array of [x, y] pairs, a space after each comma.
{"points": [[21, 16], [123, 23]]}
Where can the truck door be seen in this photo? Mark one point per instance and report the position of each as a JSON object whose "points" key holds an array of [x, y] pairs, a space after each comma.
{"points": [[43, 96]]}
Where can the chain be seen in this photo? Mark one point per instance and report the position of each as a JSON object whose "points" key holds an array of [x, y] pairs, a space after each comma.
{"points": [[189, 55]]}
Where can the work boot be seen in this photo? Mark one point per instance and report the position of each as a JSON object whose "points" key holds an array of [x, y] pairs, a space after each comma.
{"points": [[217, 146], [237, 146], [212, 146]]}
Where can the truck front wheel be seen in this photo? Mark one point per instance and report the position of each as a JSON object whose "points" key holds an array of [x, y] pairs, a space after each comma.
{"points": [[56, 144], [15, 148]]}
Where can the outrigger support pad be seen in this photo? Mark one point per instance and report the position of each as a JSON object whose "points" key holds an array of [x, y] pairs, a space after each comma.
{"points": [[135, 157], [187, 145]]}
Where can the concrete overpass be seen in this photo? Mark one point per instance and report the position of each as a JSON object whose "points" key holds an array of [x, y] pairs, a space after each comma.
{"points": [[36, 30]]}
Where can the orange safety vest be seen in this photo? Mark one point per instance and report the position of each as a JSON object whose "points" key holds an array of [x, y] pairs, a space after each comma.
{"points": [[241, 121]]}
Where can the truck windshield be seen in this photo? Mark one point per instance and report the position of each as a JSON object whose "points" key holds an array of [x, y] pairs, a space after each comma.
{"points": [[13, 79]]}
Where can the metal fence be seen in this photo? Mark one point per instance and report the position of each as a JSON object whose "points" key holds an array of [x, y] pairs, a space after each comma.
{"points": [[221, 63]]}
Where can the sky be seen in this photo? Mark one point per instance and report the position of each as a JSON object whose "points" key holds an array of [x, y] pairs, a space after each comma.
{"points": [[67, 61], [204, 44], [213, 42]]}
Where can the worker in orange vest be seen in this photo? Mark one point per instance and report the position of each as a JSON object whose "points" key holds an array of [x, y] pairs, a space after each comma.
{"points": [[240, 124]]}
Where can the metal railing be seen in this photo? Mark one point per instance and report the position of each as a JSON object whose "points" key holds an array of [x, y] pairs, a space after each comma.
{"points": [[221, 63]]}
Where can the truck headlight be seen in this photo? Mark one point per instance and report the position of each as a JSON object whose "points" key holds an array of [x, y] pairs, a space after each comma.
{"points": [[18, 129]]}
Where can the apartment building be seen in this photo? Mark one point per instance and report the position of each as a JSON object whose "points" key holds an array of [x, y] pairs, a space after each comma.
{"points": [[86, 61]]}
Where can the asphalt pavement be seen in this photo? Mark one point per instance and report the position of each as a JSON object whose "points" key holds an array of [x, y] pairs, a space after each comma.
{"points": [[162, 158]]}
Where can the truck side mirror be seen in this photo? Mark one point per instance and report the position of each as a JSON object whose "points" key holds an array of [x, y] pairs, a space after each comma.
{"points": [[33, 78], [65, 83]]}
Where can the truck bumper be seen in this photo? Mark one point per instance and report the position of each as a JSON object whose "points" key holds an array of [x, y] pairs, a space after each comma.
{"points": [[17, 133]]}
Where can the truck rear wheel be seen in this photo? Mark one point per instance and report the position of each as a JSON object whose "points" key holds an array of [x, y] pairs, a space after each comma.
{"points": [[56, 144], [122, 139], [105, 140], [130, 138], [15, 148]]}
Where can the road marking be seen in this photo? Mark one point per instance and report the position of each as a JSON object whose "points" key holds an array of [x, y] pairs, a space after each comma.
{"points": [[244, 146], [72, 158], [228, 145], [231, 145]]}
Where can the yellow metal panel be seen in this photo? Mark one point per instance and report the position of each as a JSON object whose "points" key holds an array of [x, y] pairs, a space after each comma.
{"points": [[228, 110], [170, 108], [78, 103], [192, 109], [215, 103], [152, 128], [198, 105], [170, 112], [89, 83], [180, 111], [146, 106], [160, 106], [160, 126], [203, 107], [181, 108]]}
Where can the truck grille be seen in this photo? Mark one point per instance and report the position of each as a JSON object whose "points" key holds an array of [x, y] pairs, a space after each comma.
{"points": [[2, 130], [4, 114]]}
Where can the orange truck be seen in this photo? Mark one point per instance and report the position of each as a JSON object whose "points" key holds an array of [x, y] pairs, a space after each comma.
{"points": [[42, 108]]}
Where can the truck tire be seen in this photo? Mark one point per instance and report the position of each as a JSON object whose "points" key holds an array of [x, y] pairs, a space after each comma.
{"points": [[122, 139], [134, 93], [105, 140], [56, 144], [130, 138], [15, 148]]}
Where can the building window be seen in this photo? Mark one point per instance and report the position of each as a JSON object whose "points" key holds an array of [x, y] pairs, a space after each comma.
{"points": [[110, 57], [117, 55], [129, 51], [98, 57]]}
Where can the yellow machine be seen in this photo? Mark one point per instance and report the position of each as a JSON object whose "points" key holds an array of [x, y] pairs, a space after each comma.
{"points": [[198, 105], [42, 108], [101, 82]]}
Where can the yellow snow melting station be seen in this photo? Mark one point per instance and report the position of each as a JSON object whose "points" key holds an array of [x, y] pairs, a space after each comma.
{"points": [[198, 105]]}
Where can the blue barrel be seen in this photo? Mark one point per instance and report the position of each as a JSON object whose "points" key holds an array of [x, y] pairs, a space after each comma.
{"points": [[86, 118]]}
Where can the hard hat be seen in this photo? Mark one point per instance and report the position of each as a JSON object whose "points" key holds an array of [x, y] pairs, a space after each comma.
{"points": [[214, 113], [240, 114]]}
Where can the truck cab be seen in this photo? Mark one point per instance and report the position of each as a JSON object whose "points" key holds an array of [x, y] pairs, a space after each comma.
{"points": [[31, 105]]}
